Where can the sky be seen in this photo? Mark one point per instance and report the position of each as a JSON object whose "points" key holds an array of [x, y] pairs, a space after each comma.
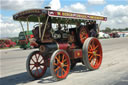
{"points": [[116, 12]]}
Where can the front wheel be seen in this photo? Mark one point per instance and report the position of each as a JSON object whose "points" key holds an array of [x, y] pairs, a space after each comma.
{"points": [[36, 65], [60, 64], [92, 53]]}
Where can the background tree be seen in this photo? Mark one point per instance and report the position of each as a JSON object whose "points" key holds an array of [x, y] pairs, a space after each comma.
{"points": [[107, 30], [126, 28]]}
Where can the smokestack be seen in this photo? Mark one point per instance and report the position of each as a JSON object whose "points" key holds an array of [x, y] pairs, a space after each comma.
{"points": [[47, 7]]}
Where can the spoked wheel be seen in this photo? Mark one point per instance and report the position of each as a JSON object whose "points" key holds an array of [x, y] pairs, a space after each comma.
{"points": [[35, 65], [59, 64], [82, 34], [92, 53]]}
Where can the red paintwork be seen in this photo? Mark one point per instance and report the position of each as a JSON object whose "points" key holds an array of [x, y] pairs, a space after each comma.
{"points": [[33, 44], [73, 46], [63, 46], [75, 15], [77, 53]]}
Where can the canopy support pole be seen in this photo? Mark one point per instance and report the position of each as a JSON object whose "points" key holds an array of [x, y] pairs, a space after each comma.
{"points": [[99, 26], [23, 30], [27, 27], [44, 29], [39, 27]]}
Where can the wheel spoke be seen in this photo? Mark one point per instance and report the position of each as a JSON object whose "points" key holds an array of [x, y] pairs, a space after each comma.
{"points": [[98, 55], [58, 73], [83, 38], [93, 45], [96, 47], [55, 64], [90, 52], [92, 62], [57, 68], [96, 62], [91, 58], [32, 68], [63, 70], [41, 60], [90, 46], [32, 64], [36, 57], [64, 60], [96, 51], [42, 64], [63, 57], [41, 68], [65, 65], [57, 59], [33, 60]]}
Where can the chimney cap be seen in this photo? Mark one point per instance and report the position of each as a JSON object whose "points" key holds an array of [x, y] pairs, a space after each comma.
{"points": [[47, 7]]}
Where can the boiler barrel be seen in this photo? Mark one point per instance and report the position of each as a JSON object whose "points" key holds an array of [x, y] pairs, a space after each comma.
{"points": [[50, 47]]}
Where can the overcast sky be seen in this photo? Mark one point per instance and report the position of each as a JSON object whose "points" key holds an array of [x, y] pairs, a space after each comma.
{"points": [[115, 10]]}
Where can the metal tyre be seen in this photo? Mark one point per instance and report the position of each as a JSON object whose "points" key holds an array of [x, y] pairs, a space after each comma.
{"points": [[35, 65], [60, 64], [92, 53]]}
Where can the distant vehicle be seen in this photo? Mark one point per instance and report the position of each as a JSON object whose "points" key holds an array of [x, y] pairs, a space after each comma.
{"points": [[6, 43], [106, 35], [103, 35], [114, 35], [24, 42]]}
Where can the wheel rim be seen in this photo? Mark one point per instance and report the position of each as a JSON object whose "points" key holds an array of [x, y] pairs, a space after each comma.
{"points": [[95, 53], [83, 35], [61, 65], [37, 65]]}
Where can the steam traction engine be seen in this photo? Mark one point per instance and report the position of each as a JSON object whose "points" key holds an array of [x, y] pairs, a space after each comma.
{"points": [[74, 40]]}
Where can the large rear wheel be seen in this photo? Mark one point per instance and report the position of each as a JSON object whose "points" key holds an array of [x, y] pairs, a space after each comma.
{"points": [[60, 64], [92, 53], [35, 65], [82, 35]]}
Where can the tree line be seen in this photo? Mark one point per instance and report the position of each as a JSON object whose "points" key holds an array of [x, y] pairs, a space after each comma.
{"points": [[109, 30]]}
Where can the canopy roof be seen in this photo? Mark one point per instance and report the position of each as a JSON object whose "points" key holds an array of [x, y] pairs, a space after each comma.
{"points": [[33, 14]]}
